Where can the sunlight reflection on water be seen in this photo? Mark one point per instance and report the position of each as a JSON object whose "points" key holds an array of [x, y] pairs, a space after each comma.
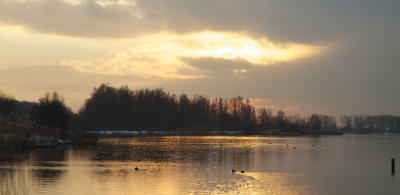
{"points": [[350, 164]]}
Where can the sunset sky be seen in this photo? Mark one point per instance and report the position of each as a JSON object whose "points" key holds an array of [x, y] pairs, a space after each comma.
{"points": [[300, 56]]}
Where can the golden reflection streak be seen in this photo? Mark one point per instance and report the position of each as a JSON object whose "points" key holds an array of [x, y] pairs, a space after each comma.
{"points": [[272, 183]]}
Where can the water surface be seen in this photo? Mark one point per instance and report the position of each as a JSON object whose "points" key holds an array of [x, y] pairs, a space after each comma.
{"points": [[349, 164]]}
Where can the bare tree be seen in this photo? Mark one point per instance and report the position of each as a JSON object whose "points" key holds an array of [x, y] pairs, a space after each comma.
{"points": [[265, 118], [347, 121], [280, 120], [359, 122], [328, 122], [315, 122]]}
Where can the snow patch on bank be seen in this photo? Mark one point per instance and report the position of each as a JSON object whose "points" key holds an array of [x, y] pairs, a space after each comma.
{"points": [[37, 140], [117, 132]]}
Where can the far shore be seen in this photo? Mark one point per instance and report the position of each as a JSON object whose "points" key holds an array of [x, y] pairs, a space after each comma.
{"points": [[124, 133], [92, 137]]}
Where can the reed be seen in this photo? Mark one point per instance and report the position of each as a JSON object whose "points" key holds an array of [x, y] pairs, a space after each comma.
{"points": [[18, 133]]}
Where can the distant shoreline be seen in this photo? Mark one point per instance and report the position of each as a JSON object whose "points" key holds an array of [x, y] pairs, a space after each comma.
{"points": [[117, 133]]}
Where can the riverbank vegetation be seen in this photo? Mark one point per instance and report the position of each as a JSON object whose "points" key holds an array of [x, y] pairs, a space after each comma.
{"points": [[18, 133], [123, 109], [46, 123]]}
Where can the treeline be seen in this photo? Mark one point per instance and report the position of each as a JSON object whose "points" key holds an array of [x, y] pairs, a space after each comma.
{"points": [[110, 108], [144, 109], [295, 123], [367, 123], [8, 105]]}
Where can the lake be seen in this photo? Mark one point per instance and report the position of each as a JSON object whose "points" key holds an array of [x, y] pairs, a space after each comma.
{"points": [[348, 164]]}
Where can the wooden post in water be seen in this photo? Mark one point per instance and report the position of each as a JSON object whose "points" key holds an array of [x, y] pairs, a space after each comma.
{"points": [[392, 166]]}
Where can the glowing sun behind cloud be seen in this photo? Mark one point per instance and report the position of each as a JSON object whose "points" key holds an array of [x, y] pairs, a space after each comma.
{"points": [[160, 55]]}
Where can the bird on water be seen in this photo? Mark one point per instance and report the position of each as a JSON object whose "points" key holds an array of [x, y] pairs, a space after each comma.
{"points": [[233, 170]]}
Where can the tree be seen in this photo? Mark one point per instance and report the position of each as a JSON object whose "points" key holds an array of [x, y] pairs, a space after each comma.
{"points": [[184, 110], [265, 118], [347, 121], [125, 111], [51, 111], [391, 123], [248, 117], [328, 122], [102, 109], [315, 122], [397, 122], [370, 122], [382, 123], [7, 104], [280, 120], [359, 122]]}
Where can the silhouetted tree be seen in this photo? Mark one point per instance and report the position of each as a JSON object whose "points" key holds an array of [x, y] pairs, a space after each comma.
{"points": [[214, 112], [200, 109], [7, 104], [23, 108], [296, 124], [381, 123], [184, 110], [280, 120], [328, 122], [248, 117], [397, 123], [391, 123], [315, 122], [359, 122], [370, 123], [347, 121], [51, 111], [103, 108], [265, 118]]}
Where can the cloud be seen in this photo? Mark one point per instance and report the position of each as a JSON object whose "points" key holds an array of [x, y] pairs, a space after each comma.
{"points": [[167, 55], [299, 21], [112, 20]]}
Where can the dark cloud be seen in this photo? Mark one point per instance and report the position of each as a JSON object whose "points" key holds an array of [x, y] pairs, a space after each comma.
{"points": [[89, 19], [217, 66], [282, 21]]}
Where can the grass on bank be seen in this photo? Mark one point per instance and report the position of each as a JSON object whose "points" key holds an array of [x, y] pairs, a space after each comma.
{"points": [[18, 133]]}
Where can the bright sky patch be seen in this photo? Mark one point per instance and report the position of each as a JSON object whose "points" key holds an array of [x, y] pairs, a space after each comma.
{"points": [[161, 54]]}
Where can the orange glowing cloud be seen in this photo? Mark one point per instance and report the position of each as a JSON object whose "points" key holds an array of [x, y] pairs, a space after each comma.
{"points": [[160, 55]]}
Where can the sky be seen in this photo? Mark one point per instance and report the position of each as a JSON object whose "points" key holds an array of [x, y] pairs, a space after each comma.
{"points": [[300, 56]]}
